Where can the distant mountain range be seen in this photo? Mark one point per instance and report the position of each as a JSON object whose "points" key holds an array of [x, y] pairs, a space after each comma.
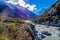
{"points": [[10, 10], [40, 12]]}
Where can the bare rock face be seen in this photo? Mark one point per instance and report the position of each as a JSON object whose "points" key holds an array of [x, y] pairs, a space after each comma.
{"points": [[14, 29]]}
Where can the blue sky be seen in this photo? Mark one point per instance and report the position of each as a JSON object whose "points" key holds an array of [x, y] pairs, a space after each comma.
{"points": [[41, 3]]}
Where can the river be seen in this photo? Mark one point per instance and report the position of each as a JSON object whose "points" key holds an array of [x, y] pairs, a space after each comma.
{"points": [[39, 29]]}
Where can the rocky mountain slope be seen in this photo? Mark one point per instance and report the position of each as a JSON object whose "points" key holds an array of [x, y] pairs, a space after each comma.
{"points": [[51, 16]]}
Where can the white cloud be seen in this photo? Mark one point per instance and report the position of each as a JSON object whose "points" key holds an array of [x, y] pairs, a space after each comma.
{"points": [[23, 4], [31, 7]]}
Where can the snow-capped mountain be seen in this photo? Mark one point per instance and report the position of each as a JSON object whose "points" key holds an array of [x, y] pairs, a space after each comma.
{"points": [[10, 10]]}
